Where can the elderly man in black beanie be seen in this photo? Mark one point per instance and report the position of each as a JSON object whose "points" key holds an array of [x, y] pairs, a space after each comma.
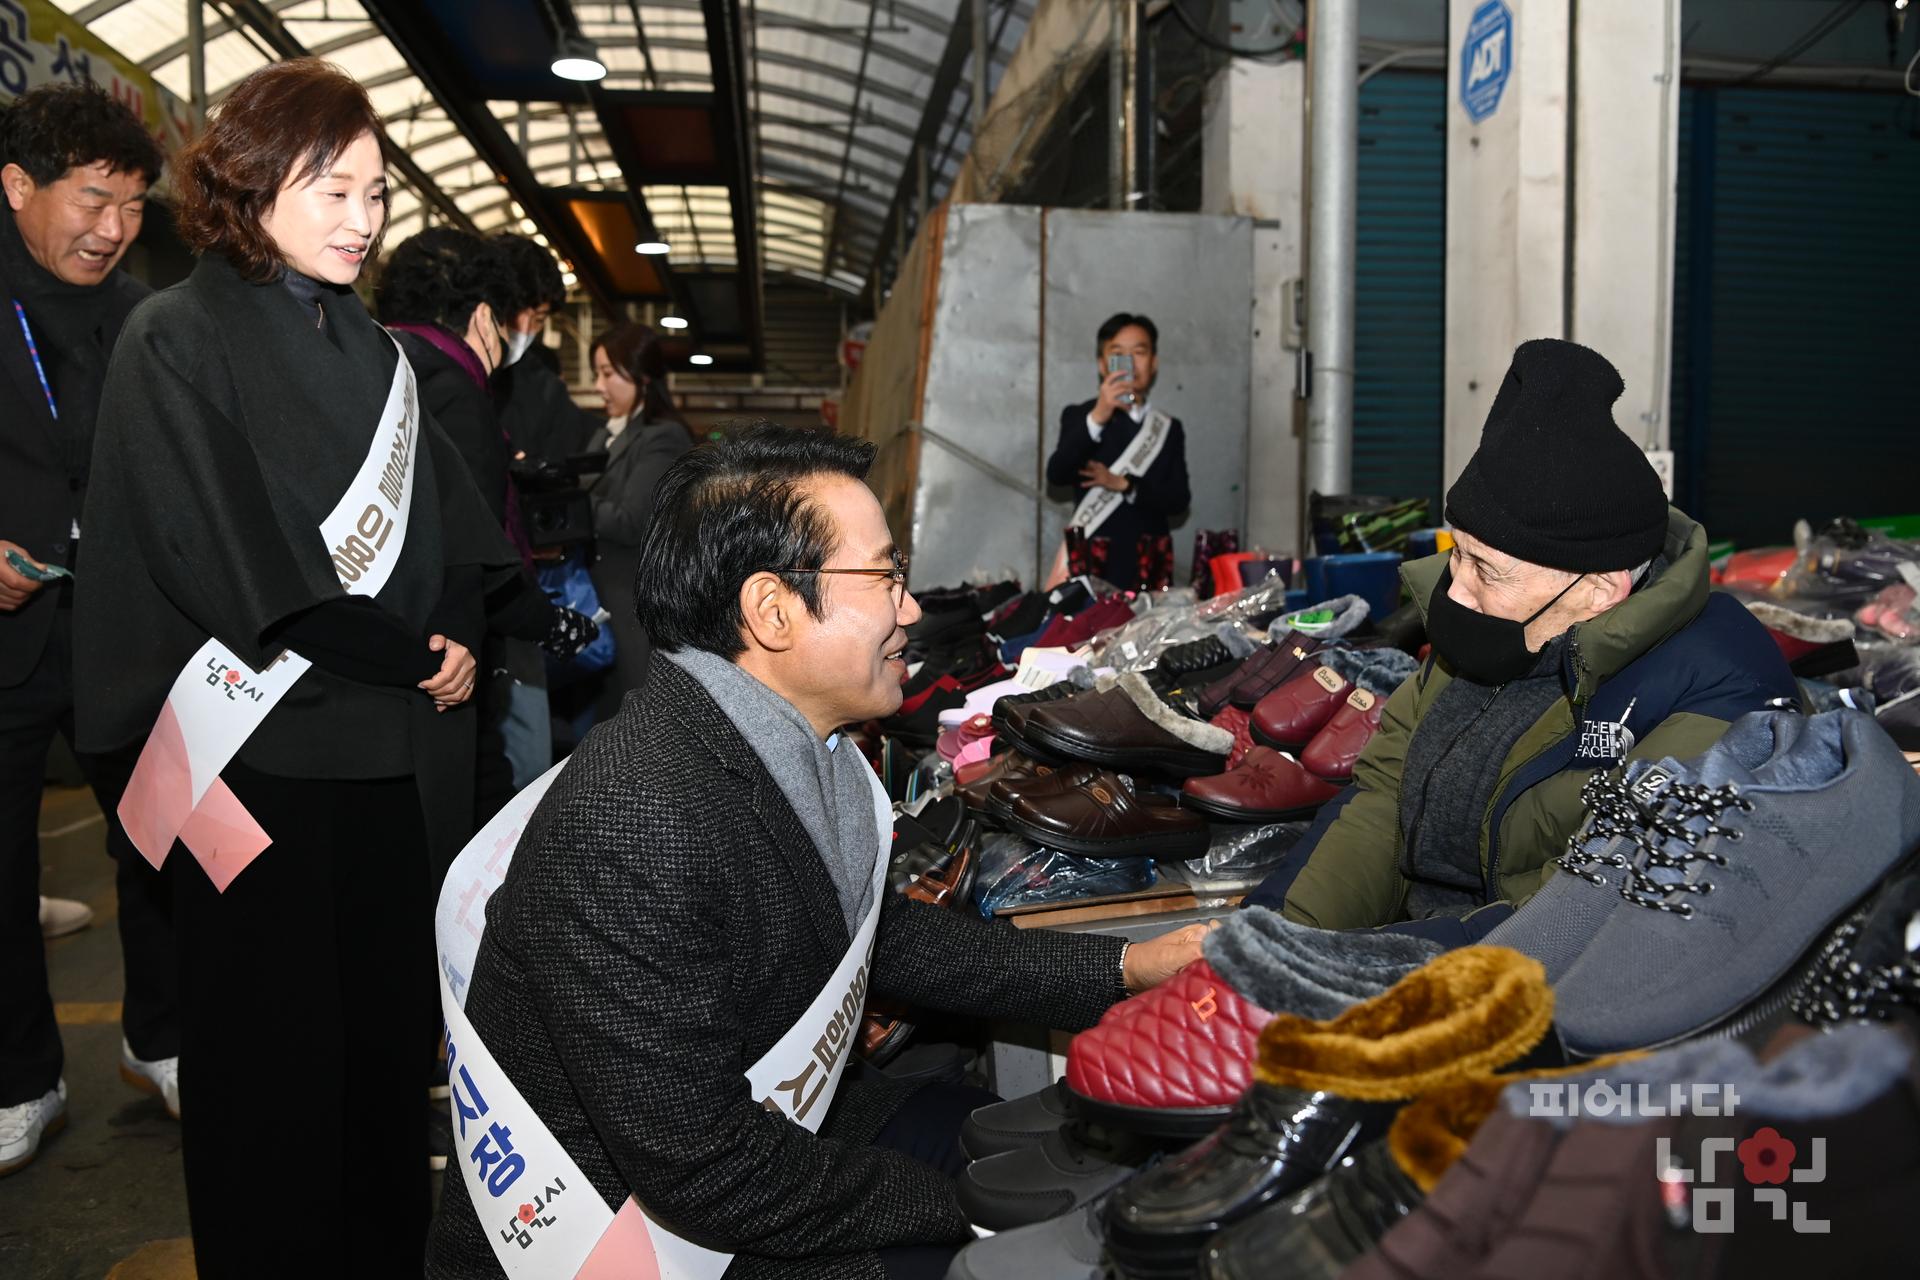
{"points": [[1572, 629]]}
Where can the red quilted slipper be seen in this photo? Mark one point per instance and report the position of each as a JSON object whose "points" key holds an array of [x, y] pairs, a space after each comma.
{"points": [[1239, 723], [1173, 1063]]}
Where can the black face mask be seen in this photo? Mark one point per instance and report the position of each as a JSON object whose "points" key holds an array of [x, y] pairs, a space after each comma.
{"points": [[1482, 648]]}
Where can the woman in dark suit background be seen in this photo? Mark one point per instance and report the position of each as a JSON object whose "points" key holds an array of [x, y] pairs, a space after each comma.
{"points": [[644, 435]]}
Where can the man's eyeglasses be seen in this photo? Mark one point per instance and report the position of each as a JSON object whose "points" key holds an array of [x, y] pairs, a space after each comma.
{"points": [[897, 574]]}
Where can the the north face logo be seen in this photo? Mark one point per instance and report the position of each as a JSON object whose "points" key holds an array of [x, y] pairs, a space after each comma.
{"points": [[1607, 741], [1604, 740]]}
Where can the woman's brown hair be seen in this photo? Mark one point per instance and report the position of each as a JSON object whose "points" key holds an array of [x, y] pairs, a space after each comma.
{"points": [[287, 119], [635, 352]]}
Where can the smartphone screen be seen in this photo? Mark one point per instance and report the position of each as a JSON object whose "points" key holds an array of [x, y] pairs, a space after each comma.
{"points": [[1120, 364]]}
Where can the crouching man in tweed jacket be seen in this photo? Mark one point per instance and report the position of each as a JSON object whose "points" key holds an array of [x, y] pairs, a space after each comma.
{"points": [[697, 872]]}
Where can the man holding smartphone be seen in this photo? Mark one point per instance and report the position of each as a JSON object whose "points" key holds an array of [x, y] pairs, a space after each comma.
{"points": [[75, 166], [1127, 459]]}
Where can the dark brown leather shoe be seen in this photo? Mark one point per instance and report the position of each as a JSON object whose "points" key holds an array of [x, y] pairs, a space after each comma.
{"points": [[1105, 817], [1045, 780], [1267, 787], [1008, 766], [1010, 712], [1108, 728]]}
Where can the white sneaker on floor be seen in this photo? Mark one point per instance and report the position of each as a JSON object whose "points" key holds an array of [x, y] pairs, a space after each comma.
{"points": [[62, 916], [160, 1076], [24, 1125]]}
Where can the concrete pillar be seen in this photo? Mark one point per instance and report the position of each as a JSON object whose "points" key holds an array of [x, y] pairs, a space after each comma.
{"points": [[1506, 200], [1626, 174], [1560, 197], [1254, 149]]}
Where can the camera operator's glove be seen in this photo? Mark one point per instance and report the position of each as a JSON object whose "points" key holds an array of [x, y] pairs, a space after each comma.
{"points": [[568, 632]]}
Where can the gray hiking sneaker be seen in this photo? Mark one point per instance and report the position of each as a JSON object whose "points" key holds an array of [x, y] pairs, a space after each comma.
{"points": [[1732, 884], [1557, 923]]}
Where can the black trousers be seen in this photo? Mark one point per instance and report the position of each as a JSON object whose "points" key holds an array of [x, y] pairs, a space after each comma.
{"points": [[31, 1058], [310, 1015], [927, 1127]]}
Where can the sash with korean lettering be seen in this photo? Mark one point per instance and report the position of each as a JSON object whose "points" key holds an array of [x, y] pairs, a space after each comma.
{"points": [[539, 1213], [217, 700], [1140, 454]]}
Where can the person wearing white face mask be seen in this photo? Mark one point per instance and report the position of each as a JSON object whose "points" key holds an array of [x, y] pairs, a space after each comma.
{"points": [[290, 570], [439, 295], [535, 406]]}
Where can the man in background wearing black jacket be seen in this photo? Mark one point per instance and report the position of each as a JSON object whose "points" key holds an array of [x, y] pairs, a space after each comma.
{"points": [[75, 166], [1101, 451]]}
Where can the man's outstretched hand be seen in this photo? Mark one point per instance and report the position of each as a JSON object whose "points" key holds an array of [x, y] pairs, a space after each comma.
{"points": [[1150, 963]]}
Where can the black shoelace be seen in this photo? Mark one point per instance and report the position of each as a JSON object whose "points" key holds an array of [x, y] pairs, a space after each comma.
{"points": [[1658, 829], [1840, 988]]}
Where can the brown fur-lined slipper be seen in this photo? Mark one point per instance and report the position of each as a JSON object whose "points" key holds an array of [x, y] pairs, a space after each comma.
{"points": [[1464, 1014], [1195, 733]]}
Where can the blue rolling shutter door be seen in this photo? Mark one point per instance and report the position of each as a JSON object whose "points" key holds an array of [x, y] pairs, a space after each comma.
{"points": [[1800, 359], [1400, 322]]}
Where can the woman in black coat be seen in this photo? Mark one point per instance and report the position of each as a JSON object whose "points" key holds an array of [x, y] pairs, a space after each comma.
{"points": [[266, 495], [644, 435]]}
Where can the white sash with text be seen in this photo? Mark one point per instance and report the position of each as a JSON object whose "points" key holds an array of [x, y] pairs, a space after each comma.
{"points": [[217, 700], [540, 1215], [1133, 461]]}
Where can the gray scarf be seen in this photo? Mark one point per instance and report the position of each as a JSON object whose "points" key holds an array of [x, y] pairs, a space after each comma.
{"points": [[1452, 769], [825, 782]]}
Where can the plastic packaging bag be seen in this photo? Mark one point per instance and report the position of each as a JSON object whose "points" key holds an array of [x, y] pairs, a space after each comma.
{"points": [[1015, 872], [1845, 566], [930, 774], [1235, 618], [1243, 855], [1894, 612]]}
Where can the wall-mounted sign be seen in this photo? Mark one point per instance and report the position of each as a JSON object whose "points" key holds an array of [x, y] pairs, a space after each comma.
{"points": [[1486, 59], [39, 44]]}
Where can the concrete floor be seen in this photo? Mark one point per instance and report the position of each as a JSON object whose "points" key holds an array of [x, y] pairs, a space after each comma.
{"points": [[105, 1196]]}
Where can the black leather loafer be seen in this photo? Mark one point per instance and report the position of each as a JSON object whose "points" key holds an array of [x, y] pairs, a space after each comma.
{"points": [[1277, 1141], [1321, 1230]]}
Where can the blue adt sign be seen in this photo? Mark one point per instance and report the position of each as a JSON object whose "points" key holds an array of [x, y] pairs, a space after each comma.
{"points": [[1486, 59]]}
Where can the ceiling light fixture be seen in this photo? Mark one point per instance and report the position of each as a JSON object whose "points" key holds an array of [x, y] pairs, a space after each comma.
{"points": [[672, 322], [652, 247], [578, 58], [699, 359]]}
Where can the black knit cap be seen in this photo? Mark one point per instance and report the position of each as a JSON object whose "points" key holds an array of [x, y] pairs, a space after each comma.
{"points": [[1555, 482]]}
